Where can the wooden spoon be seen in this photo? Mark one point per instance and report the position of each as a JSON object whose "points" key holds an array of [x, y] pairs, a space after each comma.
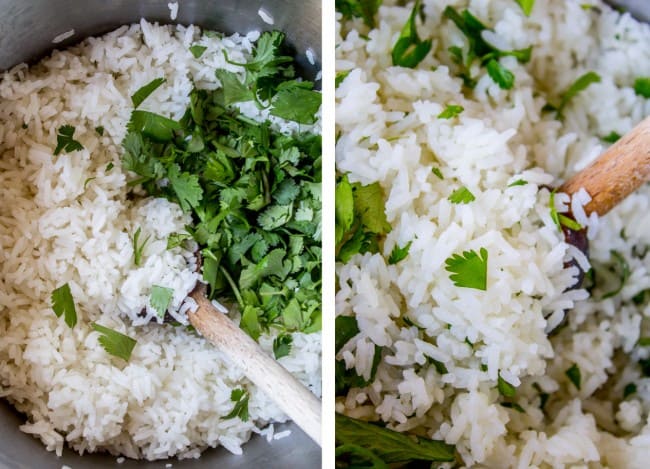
{"points": [[616, 173], [293, 398]]}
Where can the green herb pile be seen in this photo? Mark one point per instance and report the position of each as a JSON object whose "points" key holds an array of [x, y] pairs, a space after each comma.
{"points": [[254, 193]]}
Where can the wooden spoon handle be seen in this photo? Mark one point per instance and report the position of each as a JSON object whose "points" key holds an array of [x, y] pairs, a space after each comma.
{"points": [[616, 173], [295, 400]]}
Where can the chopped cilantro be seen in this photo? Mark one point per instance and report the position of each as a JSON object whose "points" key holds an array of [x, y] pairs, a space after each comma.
{"points": [[409, 50], [560, 219], [501, 75], [439, 366], [144, 92], [240, 410], [296, 102], [100, 130], [505, 388], [629, 389], [450, 111], [160, 299], [63, 304], [574, 375], [87, 181], [612, 137], [254, 195], [526, 6], [197, 50], [643, 342], [645, 367], [24, 125], [109, 166], [579, 85], [438, 173], [642, 87], [282, 345], [480, 49], [518, 182], [398, 253], [340, 77], [176, 239], [461, 196], [115, 343], [469, 270], [365, 9], [64, 140], [514, 406], [360, 220], [138, 249]]}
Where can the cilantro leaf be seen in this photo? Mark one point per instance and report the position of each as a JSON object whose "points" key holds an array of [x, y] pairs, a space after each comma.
{"points": [[612, 137], [138, 249], [344, 208], [240, 410], [160, 299], [409, 50], [340, 77], [282, 345], [629, 390], [64, 140], [643, 342], [365, 9], [574, 375], [576, 87], [197, 50], [186, 186], [295, 102], [451, 110], [398, 253], [642, 87], [144, 92], [461, 196], [100, 130], [234, 91], [526, 6], [518, 182], [388, 446], [469, 270], [514, 406], [177, 239], [369, 206], [158, 128], [63, 304], [560, 219], [115, 343], [505, 388], [438, 173], [501, 75]]}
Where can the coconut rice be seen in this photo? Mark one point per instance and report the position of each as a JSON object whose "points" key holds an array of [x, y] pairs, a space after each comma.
{"points": [[389, 132], [68, 219]]}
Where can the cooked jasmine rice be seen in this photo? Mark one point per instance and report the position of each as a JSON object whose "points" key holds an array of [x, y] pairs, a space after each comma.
{"points": [[390, 133], [67, 219]]}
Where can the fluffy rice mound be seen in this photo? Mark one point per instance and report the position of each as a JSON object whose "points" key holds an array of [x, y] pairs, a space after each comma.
{"points": [[390, 133], [68, 219]]}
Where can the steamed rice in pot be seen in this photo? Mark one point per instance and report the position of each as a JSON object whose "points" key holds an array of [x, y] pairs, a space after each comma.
{"points": [[68, 219], [513, 334]]}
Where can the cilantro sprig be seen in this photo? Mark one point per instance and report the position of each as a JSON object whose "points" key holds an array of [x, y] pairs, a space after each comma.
{"points": [[240, 410], [478, 48], [410, 50]]}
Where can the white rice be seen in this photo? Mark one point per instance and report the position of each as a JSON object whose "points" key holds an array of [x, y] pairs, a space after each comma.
{"points": [[389, 133], [172, 395], [173, 10], [266, 16], [63, 36]]}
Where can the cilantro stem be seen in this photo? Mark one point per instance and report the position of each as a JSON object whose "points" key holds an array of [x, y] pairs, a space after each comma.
{"points": [[233, 285]]}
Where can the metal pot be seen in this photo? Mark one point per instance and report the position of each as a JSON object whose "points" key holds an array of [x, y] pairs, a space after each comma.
{"points": [[26, 32]]}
